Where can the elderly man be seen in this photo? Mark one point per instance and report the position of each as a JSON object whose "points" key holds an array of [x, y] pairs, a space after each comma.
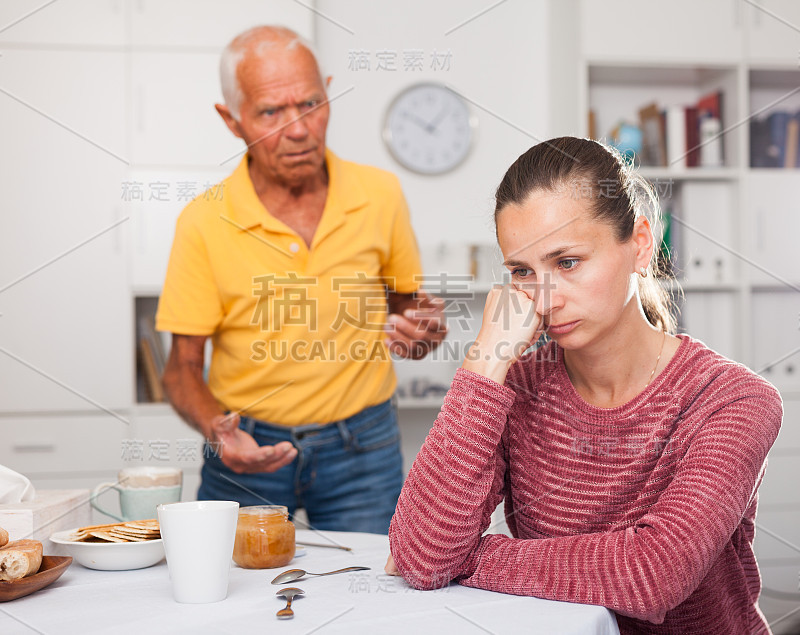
{"points": [[291, 270]]}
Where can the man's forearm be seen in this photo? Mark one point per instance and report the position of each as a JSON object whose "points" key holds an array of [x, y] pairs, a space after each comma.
{"points": [[191, 398]]}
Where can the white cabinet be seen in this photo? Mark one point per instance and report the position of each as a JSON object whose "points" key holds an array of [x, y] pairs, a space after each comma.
{"points": [[773, 209], [708, 231], [789, 437], [711, 317], [96, 95], [735, 228], [174, 121], [211, 24], [77, 22], [763, 31], [777, 529], [161, 195], [776, 337], [124, 96], [648, 30], [773, 31], [63, 297], [47, 446]]}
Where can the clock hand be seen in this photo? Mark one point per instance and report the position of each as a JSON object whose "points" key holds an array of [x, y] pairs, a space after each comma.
{"points": [[438, 119], [417, 120]]}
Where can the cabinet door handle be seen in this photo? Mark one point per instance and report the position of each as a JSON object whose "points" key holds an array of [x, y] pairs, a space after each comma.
{"points": [[34, 447]]}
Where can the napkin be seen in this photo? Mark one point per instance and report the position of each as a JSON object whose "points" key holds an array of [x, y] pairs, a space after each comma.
{"points": [[14, 487]]}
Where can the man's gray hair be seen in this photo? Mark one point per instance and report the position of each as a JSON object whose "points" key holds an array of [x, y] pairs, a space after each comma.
{"points": [[258, 41]]}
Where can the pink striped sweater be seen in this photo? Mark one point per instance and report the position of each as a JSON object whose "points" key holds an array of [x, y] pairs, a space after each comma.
{"points": [[647, 508]]}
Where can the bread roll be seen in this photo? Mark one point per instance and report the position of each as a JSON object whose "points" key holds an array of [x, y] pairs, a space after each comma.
{"points": [[3, 536], [20, 558]]}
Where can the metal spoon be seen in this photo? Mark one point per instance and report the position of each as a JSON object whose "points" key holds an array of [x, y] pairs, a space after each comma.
{"points": [[295, 574], [287, 613]]}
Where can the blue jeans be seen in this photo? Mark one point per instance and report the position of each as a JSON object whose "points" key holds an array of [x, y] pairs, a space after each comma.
{"points": [[347, 474]]}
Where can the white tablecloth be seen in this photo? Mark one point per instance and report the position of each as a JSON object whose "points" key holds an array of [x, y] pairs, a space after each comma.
{"points": [[140, 602]]}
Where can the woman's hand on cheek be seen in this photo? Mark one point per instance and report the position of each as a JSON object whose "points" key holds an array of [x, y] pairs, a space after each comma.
{"points": [[510, 325]]}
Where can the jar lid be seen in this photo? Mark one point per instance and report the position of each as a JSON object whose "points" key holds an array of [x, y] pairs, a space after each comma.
{"points": [[265, 510]]}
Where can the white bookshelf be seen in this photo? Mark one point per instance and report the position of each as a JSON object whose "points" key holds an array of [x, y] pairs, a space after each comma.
{"points": [[746, 218]]}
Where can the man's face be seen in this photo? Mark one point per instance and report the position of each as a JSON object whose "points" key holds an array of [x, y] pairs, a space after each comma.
{"points": [[283, 116]]}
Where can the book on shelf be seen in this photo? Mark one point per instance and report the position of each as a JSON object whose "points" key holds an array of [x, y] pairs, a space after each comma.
{"points": [[792, 132], [692, 124], [665, 258], [775, 140], [654, 143], [683, 136], [777, 121], [152, 384], [152, 357], [675, 124], [759, 144]]}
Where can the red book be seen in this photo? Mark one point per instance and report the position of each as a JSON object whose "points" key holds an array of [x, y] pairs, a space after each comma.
{"points": [[692, 137]]}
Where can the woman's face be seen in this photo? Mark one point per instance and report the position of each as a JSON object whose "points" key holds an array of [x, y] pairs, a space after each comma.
{"points": [[571, 265]]}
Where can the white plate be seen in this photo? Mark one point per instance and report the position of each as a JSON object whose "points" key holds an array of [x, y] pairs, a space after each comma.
{"points": [[299, 551], [111, 556]]}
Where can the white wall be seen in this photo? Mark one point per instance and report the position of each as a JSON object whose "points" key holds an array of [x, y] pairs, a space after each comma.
{"points": [[498, 61]]}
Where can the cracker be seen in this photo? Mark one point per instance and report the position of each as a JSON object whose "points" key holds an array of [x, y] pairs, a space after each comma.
{"points": [[133, 532], [92, 527], [127, 537], [106, 535], [123, 532], [130, 531], [142, 524]]}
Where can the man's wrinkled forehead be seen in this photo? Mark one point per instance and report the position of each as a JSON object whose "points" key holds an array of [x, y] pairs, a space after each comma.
{"points": [[290, 52]]}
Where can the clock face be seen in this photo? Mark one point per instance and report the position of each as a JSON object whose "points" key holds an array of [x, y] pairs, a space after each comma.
{"points": [[429, 129]]}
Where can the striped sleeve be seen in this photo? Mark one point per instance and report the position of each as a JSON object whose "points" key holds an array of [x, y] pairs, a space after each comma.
{"points": [[454, 485], [642, 571]]}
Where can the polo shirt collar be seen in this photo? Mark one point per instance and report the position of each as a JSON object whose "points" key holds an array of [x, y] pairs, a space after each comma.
{"points": [[345, 194]]}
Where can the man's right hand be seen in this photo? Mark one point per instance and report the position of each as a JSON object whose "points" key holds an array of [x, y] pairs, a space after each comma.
{"points": [[189, 395], [240, 452]]}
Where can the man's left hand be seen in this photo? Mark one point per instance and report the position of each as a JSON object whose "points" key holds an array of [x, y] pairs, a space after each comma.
{"points": [[416, 324]]}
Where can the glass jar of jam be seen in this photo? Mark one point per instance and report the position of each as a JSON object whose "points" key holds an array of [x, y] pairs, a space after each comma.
{"points": [[264, 537]]}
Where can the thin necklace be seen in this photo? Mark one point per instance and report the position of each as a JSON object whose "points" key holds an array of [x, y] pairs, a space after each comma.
{"points": [[658, 359]]}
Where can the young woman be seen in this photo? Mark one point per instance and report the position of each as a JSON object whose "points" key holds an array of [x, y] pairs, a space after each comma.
{"points": [[628, 457]]}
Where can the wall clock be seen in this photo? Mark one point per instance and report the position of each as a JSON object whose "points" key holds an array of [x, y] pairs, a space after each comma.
{"points": [[429, 128]]}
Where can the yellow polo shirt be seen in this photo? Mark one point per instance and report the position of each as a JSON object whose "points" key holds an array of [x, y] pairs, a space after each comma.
{"points": [[297, 332]]}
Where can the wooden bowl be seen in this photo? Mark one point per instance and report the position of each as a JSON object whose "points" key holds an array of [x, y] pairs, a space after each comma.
{"points": [[51, 569]]}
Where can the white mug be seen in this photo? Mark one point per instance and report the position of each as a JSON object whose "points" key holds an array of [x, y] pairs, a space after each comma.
{"points": [[198, 541]]}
